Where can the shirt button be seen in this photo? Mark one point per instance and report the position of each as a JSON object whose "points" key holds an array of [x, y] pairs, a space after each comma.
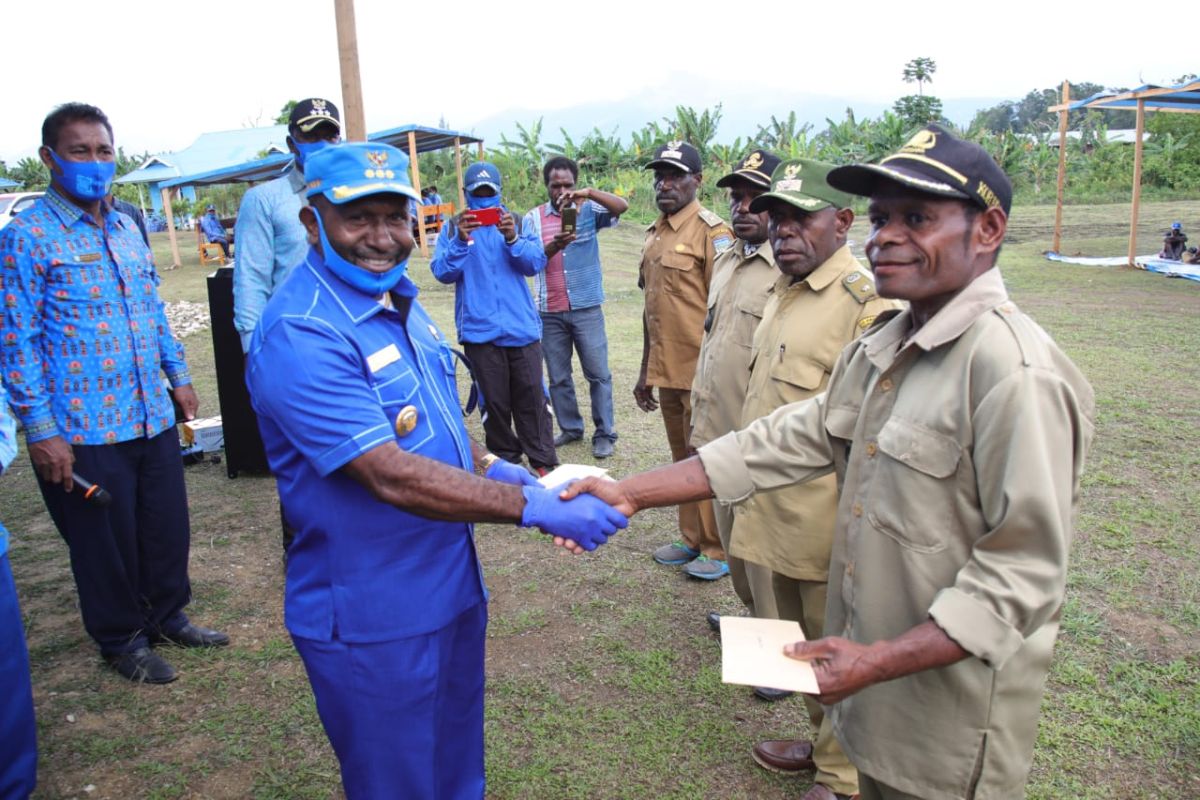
{"points": [[871, 449], [886, 385], [857, 510], [850, 570]]}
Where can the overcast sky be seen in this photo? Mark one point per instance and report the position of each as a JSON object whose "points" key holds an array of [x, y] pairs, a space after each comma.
{"points": [[165, 72]]}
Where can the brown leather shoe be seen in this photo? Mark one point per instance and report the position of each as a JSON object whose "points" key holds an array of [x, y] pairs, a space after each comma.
{"points": [[820, 791], [784, 755]]}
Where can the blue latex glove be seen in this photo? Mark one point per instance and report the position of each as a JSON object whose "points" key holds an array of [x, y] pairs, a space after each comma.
{"points": [[508, 472], [586, 519]]}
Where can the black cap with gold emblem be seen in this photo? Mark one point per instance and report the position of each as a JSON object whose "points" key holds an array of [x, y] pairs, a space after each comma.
{"points": [[679, 155], [756, 167], [313, 111], [933, 161]]}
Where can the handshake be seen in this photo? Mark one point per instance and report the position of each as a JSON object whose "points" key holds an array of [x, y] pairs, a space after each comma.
{"points": [[582, 522]]}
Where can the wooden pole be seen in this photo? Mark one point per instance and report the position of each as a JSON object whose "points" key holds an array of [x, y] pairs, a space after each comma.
{"points": [[352, 103], [481, 151], [1062, 165], [1137, 180], [416, 182], [166, 201], [462, 198]]}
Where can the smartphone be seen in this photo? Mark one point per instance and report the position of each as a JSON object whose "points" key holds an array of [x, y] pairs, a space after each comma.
{"points": [[486, 216], [569, 215]]}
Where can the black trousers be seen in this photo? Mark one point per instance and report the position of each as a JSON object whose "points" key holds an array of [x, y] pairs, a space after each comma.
{"points": [[510, 380], [130, 558]]}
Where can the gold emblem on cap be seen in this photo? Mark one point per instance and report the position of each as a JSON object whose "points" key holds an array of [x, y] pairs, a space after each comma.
{"points": [[753, 161], [318, 105], [792, 170], [920, 142], [406, 420]]}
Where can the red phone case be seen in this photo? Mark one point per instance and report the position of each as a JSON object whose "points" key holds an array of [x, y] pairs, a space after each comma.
{"points": [[486, 216]]}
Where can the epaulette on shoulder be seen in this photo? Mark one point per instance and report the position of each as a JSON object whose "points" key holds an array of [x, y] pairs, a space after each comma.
{"points": [[860, 286], [712, 219], [1034, 342]]}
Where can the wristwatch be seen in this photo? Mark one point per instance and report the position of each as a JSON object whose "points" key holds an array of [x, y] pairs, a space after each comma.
{"points": [[486, 462]]}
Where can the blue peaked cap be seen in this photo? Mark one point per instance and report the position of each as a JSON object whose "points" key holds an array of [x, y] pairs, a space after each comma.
{"points": [[351, 170]]}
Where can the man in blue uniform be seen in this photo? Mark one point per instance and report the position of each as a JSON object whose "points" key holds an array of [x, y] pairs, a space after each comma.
{"points": [[18, 731], [214, 231], [356, 399]]}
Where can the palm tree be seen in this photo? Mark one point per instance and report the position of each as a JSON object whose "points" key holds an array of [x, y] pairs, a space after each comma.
{"points": [[918, 71]]}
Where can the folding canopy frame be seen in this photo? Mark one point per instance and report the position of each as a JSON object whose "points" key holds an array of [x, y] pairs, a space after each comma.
{"points": [[1184, 98]]}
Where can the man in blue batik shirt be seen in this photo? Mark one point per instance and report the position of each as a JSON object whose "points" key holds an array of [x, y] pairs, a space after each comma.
{"points": [[498, 325], [570, 292], [86, 343], [213, 230], [18, 730], [354, 387], [270, 239]]}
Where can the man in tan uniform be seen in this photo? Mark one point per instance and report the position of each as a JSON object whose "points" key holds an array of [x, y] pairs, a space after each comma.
{"points": [[677, 266], [958, 432], [742, 275], [822, 301]]}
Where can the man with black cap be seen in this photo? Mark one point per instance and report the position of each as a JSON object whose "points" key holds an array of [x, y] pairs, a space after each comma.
{"points": [[958, 432], [677, 265], [270, 239], [822, 301], [385, 599], [742, 276], [488, 258]]}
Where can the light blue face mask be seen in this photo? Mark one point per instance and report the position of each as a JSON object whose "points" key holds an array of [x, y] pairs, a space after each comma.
{"points": [[86, 180], [372, 283], [474, 202], [305, 150]]}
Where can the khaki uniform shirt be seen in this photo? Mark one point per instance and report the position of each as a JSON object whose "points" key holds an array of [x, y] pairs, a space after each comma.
{"points": [[959, 454], [742, 277], [805, 327], [677, 266]]}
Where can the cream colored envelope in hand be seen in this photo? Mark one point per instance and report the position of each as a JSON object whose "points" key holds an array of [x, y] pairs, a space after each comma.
{"points": [[752, 654]]}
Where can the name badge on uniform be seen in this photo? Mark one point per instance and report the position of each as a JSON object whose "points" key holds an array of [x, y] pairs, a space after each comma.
{"points": [[381, 358], [87, 257]]}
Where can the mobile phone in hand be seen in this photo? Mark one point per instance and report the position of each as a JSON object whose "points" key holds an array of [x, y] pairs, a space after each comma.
{"points": [[486, 216], [569, 215]]}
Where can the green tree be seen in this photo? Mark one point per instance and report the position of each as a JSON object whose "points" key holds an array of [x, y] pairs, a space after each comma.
{"points": [[31, 173], [285, 113], [917, 110], [920, 71]]}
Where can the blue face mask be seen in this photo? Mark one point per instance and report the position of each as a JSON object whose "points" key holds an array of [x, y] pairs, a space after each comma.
{"points": [[86, 180], [474, 202], [305, 150], [367, 282]]}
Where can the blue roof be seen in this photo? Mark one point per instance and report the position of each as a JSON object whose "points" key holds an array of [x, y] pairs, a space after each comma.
{"points": [[1181, 97], [5, 183], [209, 152], [260, 169]]}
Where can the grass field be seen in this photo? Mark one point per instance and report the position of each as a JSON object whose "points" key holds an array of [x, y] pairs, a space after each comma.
{"points": [[604, 681]]}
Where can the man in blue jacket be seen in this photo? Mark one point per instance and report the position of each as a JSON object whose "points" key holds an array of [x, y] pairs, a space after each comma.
{"points": [[356, 399], [497, 323]]}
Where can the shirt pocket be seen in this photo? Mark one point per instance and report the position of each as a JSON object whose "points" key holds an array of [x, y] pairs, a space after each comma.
{"points": [[913, 493], [679, 270], [399, 390], [799, 374]]}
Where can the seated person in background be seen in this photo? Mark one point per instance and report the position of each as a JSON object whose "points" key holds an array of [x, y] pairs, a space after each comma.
{"points": [[1173, 242], [214, 231]]}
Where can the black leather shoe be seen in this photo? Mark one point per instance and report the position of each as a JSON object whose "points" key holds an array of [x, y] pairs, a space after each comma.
{"points": [[142, 666], [771, 695], [566, 438], [602, 448], [714, 621], [194, 636]]}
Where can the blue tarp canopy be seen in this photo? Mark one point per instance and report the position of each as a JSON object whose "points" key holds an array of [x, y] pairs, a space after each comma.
{"points": [[261, 169], [5, 183], [1181, 98]]}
